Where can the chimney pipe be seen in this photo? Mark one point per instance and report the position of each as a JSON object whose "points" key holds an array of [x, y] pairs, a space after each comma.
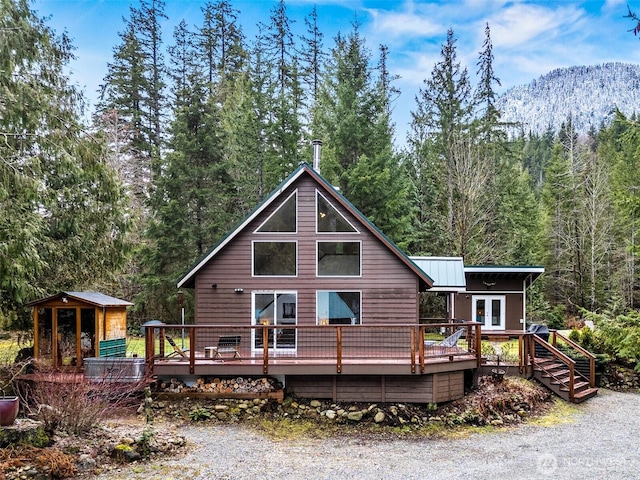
{"points": [[317, 147]]}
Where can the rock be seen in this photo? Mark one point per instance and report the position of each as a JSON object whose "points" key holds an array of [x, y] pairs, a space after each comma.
{"points": [[124, 453], [394, 410], [127, 441], [379, 417], [85, 463], [497, 422], [221, 408], [354, 416], [330, 414], [222, 416], [243, 406], [315, 404]]}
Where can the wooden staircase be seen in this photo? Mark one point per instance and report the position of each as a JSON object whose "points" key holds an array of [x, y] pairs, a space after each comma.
{"points": [[555, 370]]}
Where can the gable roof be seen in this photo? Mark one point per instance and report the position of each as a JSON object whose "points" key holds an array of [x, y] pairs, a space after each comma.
{"points": [[305, 169], [93, 298], [447, 272]]}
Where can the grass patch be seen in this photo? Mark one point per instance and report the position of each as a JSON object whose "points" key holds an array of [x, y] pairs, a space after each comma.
{"points": [[292, 429], [558, 413]]}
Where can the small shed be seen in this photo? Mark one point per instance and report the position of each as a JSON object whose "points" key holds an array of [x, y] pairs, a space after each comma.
{"points": [[71, 326]]}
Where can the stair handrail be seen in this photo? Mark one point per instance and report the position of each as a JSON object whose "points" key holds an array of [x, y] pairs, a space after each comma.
{"points": [[568, 361], [583, 351]]}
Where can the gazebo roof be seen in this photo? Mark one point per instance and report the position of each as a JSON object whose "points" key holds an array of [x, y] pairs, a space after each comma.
{"points": [[94, 298]]}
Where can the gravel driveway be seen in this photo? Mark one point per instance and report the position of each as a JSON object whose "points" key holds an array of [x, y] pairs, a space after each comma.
{"points": [[599, 441]]}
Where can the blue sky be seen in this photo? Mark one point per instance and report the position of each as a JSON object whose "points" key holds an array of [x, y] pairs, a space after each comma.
{"points": [[530, 38]]}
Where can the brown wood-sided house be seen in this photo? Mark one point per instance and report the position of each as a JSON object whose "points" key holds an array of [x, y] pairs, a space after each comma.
{"points": [[333, 298], [496, 296]]}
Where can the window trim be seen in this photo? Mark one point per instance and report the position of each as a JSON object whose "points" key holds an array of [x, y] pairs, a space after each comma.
{"points": [[257, 230], [318, 242], [253, 264], [318, 232], [254, 323], [342, 290]]}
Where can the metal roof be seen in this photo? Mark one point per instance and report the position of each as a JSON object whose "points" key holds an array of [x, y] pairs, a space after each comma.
{"points": [[447, 272], [502, 271], [94, 298], [187, 280]]}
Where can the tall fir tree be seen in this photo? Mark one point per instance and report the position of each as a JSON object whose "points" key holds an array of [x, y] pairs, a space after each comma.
{"points": [[62, 213]]}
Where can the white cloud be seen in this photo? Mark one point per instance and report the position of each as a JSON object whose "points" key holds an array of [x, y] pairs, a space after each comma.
{"points": [[398, 24], [523, 23]]}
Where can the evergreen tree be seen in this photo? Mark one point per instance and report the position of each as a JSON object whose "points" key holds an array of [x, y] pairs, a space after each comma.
{"points": [[488, 117], [62, 216]]}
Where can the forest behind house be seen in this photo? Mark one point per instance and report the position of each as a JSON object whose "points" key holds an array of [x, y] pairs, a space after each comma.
{"points": [[195, 127]]}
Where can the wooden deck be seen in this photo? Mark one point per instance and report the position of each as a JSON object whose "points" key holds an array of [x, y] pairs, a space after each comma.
{"points": [[313, 350]]}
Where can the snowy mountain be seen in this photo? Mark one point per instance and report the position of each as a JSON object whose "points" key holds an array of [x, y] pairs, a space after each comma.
{"points": [[589, 94]]}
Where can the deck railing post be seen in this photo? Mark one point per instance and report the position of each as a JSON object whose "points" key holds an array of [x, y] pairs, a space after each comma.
{"points": [[592, 371], [571, 382], [421, 348], [413, 350], [478, 334], [161, 341], [192, 350], [149, 347], [339, 349], [265, 349]]}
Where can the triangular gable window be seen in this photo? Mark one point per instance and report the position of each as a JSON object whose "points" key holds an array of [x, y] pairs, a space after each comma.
{"points": [[329, 220], [283, 220]]}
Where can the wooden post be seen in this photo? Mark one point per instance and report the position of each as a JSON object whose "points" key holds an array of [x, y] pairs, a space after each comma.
{"points": [[265, 349], [149, 347], [571, 381], [478, 334], [339, 349], [413, 350], [592, 371], [192, 350], [161, 341], [421, 348]]}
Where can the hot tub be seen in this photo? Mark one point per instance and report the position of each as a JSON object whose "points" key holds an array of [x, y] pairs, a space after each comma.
{"points": [[114, 369]]}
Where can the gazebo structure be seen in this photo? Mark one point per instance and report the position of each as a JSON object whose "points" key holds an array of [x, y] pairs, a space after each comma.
{"points": [[71, 326]]}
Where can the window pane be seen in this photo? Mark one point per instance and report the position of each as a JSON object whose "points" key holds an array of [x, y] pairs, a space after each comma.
{"points": [[480, 311], [338, 308], [283, 220], [329, 219], [495, 312], [274, 258], [338, 259]]}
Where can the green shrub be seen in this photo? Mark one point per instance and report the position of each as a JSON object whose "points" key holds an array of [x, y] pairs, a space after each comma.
{"points": [[618, 336]]}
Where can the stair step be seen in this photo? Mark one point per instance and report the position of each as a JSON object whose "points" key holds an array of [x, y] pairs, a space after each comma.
{"points": [[584, 395], [576, 386]]}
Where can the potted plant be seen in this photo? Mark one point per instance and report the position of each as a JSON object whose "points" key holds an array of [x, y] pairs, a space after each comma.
{"points": [[9, 404]]}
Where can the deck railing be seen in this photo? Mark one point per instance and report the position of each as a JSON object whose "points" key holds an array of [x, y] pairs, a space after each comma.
{"points": [[580, 354], [414, 343]]}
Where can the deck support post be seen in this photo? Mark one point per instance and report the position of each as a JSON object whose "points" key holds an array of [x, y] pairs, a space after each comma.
{"points": [[339, 349], [413, 350], [192, 350], [265, 349]]}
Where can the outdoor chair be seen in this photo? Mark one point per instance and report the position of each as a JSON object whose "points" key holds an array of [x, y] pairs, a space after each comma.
{"points": [[176, 349], [444, 346]]}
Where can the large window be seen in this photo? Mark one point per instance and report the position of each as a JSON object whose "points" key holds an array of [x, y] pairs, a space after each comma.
{"points": [[329, 220], [284, 219], [275, 259], [338, 308], [338, 259]]}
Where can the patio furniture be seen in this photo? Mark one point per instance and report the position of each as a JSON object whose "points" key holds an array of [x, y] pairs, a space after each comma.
{"points": [[444, 346], [226, 344], [176, 349]]}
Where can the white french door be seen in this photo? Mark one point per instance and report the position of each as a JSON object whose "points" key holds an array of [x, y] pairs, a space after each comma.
{"points": [[280, 309], [489, 310]]}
